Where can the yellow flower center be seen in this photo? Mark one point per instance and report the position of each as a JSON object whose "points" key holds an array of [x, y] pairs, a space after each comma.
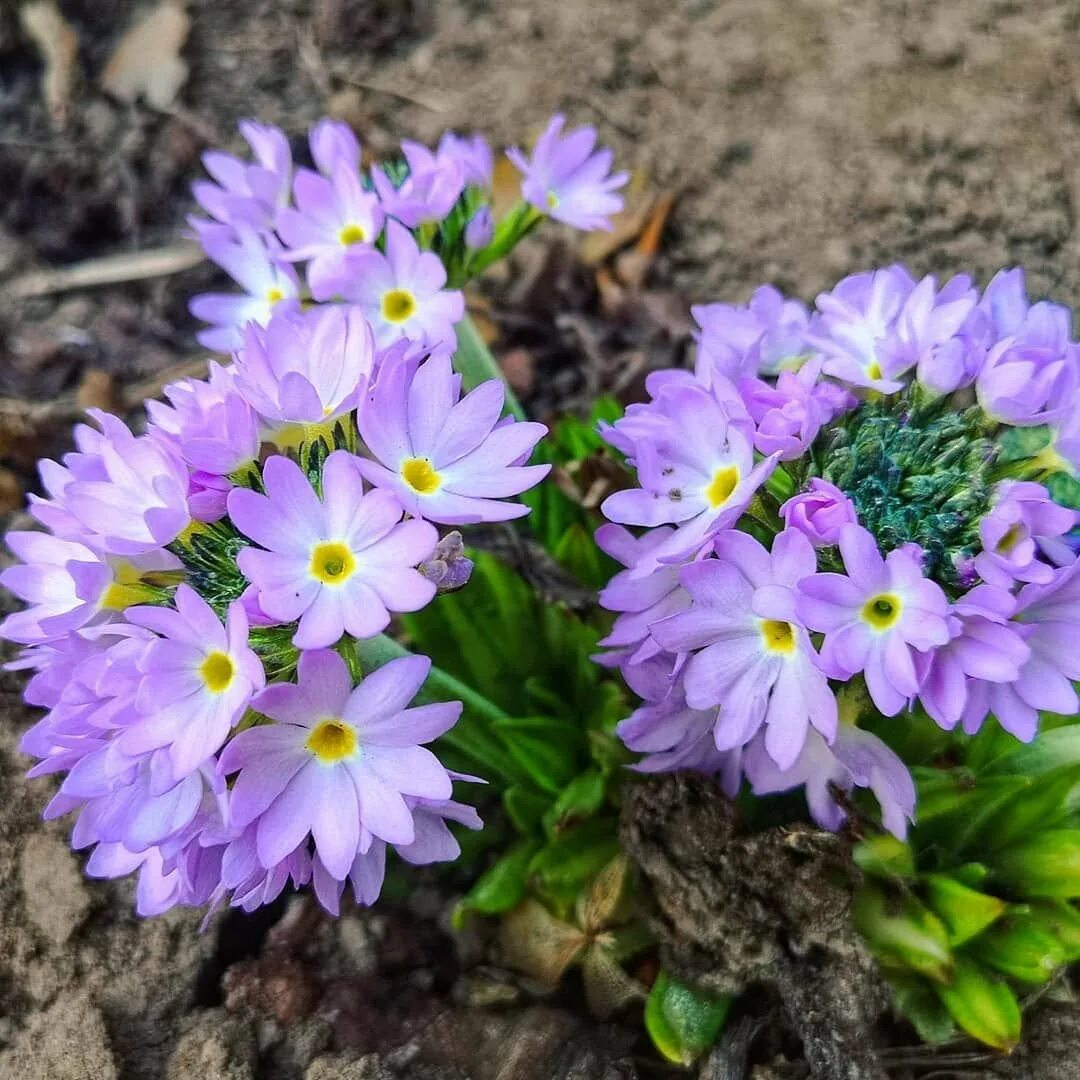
{"points": [[418, 473], [882, 611], [1011, 538], [725, 480], [217, 671], [552, 201], [332, 563], [273, 295], [127, 588], [398, 305], [332, 741], [352, 234], [874, 371], [779, 636]]}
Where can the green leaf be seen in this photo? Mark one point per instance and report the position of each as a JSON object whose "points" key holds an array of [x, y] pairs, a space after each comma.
{"points": [[915, 998], [577, 551], [1047, 865], [885, 856], [683, 1022], [474, 362], [964, 911], [1061, 919], [565, 865], [982, 1005], [1021, 949], [902, 932], [1045, 804], [579, 800], [525, 807], [502, 886], [955, 812], [1064, 490], [1050, 750], [544, 747]]}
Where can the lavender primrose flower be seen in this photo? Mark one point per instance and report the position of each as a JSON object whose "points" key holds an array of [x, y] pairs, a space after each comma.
{"points": [[566, 177], [446, 460], [338, 762], [819, 512], [305, 370], [339, 564], [333, 143], [480, 230], [750, 654], [875, 618], [256, 265], [428, 193], [401, 293], [473, 154]]}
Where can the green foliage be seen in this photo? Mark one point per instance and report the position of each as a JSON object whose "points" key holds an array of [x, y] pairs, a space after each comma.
{"points": [[980, 905], [682, 1021]]}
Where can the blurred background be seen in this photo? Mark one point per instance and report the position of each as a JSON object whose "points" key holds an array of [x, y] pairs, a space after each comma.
{"points": [[790, 141]]}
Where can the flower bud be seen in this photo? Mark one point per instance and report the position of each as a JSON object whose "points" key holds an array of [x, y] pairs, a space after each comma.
{"points": [[819, 513], [480, 230]]}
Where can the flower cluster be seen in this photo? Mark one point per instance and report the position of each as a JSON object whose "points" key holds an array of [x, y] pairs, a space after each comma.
{"points": [[197, 608], [849, 513]]}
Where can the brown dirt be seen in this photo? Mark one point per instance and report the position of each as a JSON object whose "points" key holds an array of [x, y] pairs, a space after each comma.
{"points": [[806, 139]]}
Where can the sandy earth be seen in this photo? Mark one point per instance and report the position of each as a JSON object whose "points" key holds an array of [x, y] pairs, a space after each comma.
{"points": [[806, 139]]}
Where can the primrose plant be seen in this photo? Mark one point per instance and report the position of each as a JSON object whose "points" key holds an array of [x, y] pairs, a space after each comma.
{"points": [[206, 603]]}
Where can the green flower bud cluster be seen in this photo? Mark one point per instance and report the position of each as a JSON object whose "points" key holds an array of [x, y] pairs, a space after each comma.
{"points": [[979, 907], [916, 472]]}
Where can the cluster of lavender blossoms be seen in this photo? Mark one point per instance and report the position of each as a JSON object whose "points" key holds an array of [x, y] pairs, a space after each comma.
{"points": [[845, 514], [196, 608]]}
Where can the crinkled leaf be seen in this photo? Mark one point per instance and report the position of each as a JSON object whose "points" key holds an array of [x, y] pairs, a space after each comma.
{"points": [[683, 1022], [534, 941], [608, 987]]}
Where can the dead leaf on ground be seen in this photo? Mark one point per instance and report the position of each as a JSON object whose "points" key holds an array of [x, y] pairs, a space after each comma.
{"points": [[59, 47], [146, 63]]}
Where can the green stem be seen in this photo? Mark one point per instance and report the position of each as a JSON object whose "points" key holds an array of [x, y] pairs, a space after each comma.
{"points": [[475, 364], [439, 686]]}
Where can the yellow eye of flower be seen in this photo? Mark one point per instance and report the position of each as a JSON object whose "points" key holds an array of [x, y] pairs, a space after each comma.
{"points": [[332, 563], [552, 201], [398, 305], [352, 234], [332, 741], [882, 611], [274, 295], [419, 474], [874, 371], [1011, 538], [779, 636], [725, 480], [217, 672]]}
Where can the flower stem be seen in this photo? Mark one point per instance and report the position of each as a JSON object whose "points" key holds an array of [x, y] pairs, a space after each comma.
{"points": [[475, 364]]}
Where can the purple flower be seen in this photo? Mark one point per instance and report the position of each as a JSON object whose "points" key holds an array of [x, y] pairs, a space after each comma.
{"points": [[983, 645], [696, 469], [130, 496], [402, 293], [434, 183], [305, 369], [339, 761], [819, 512], [198, 679], [925, 334], [333, 217], [1065, 446], [251, 884], [855, 759], [1023, 522], [339, 564], [639, 601], [244, 194], [446, 460], [792, 411], [333, 143], [480, 230], [207, 423], [1048, 615], [268, 283], [1034, 378], [751, 655], [473, 154], [762, 337], [875, 618], [565, 178]]}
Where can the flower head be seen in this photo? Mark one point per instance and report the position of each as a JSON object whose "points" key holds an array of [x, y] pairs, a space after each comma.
{"points": [[566, 177], [338, 762], [472, 153], [402, 292], [433, 184], [446, 460], [819, 512], [340, 563], [751, 656], [875, 618], [305, 369]]}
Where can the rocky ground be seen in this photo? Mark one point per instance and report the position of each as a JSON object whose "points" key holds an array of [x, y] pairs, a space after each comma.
{"points": [[802, 139]]}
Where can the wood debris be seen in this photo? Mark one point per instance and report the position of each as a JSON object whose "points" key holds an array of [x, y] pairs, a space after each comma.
{"points": [[146, 63], [59, 48]]}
